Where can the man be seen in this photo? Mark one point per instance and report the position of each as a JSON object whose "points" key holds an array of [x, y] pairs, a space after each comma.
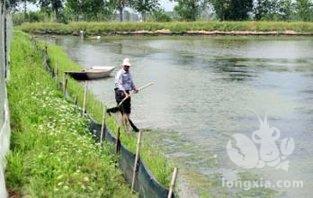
{"points": [[123, 85]]}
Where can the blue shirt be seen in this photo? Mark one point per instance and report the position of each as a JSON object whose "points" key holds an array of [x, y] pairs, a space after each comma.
{"points": [[124, 81]]}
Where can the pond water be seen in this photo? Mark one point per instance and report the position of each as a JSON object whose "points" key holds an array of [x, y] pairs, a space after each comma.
{"points": [[210, 88]]}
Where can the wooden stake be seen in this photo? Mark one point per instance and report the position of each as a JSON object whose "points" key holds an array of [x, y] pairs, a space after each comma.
{"points": [[56, 72], [118, 142], [65, 80], [63, 83], [76, 100], [102, 127], [85, 98], [170, 193], [136, 160]]}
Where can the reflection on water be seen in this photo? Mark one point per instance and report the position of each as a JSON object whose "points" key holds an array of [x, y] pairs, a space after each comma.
{"points": [[206, 89]]}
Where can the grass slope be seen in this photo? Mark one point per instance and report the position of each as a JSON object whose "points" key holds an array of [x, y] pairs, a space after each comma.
{"points": [[52, 154]]}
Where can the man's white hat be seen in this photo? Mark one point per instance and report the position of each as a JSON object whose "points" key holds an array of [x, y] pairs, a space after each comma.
{"points": [[126, 62]]}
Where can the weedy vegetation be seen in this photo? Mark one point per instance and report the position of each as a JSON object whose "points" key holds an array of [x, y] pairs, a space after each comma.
{"points": [[52, 153]]}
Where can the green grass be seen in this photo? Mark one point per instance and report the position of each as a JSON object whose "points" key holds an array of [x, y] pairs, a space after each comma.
{"points": [[52, 153], [102, 28], [155, 160]]}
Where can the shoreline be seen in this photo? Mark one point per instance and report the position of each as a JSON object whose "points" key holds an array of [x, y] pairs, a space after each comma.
{"points": [[188, 33], [240, 28]]}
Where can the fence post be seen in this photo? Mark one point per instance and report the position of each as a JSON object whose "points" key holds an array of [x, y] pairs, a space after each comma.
{"points": [[76, 100], [65, 84], [85, 98], [136, 160], [118, 141], [56, 73], [5, 42], [45, 62], [45, 57], [170, 192], [102, 136]]}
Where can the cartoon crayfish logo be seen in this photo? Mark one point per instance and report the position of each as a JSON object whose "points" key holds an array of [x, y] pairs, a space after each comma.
{"points": [[263, 149]]}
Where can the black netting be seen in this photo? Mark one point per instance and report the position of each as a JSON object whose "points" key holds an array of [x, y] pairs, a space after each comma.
{"points": [[145, 183], [126, 162], [148, 185]]}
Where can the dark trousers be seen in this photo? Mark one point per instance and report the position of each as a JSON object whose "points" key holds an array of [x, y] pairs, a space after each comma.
{"points": [[124, 108]]}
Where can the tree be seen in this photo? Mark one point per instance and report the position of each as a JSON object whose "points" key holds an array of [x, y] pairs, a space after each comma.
{"points": [[144, 6], [263, 9], [74, 8], [232, 9], [160, 15], [12, 4], [54, 6], [304, 9], [188, 9], [274, 10], [89, 9], [120, 5], [286, 10]]}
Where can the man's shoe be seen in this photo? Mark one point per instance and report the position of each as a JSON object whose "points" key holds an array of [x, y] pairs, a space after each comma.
{"points": [[136, 130], [133, 125]]}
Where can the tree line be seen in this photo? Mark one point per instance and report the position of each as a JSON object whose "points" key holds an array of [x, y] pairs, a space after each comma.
{"points": [[237, 10], [188, 10]]}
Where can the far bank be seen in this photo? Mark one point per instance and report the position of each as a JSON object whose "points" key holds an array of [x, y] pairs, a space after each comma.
{"points": [[172, 28]]}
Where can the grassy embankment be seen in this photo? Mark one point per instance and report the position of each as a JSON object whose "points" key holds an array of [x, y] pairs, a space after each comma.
{"points": [[156, 162], [103, 28], [52, 153]]}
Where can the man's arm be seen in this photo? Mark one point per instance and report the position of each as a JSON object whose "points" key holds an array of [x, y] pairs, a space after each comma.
{"points": [[134, 88]]}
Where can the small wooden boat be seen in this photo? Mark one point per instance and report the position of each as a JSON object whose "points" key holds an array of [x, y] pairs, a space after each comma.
{"points": [[95, 72]]}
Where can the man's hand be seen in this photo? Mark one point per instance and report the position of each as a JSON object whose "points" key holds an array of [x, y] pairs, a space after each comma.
{"points": [[136, 90], [126, 94]]}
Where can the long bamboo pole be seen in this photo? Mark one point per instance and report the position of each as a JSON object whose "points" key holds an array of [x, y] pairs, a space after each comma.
{"points": [[139, 89]]}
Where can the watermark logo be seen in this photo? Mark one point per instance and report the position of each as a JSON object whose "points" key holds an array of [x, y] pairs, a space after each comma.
{"points": [[250, 184], [264, 148]]}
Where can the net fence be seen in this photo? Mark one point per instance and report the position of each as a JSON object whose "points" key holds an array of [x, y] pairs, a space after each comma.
{"points": [[145, 183], [5, 35]]}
